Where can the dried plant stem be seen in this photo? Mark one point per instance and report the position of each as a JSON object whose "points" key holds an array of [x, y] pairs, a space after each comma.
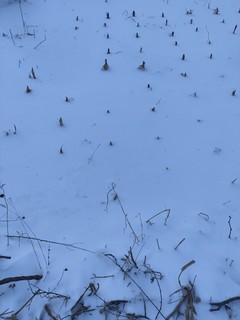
{"points": [[49, 241], [102, 277], [90, 158], [183, 269], [114, 260], [163, 211], [230, 227], [27, 302], [12, 37], [177, 308], [127, 222], [220, 304], [23, 22], [179, 243], [45, 38], [7, 212]]}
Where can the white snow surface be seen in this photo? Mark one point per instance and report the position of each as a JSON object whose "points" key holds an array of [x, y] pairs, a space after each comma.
{"points": [[129, 153]]}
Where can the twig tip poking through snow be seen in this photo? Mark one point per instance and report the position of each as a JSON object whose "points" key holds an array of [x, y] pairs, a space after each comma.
{"points": [[230, 228], [28, 90], [60, 122], [32, 74], [142, 66], [235, 28], [105, 67]]}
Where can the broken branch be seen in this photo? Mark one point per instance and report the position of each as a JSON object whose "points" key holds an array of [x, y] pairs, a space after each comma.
{"points": [[20, 278]]}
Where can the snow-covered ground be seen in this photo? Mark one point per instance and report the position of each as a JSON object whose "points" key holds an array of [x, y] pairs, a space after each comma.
{"points": [[131, 204]]}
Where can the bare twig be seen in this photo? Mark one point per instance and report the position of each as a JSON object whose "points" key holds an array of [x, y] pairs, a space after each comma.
{"points": [[114, 260], [157, 276], [12, 37], [102, 277], [20, 278], [179, 243], [50, 294], [23, 22], [108, 196], [204, 216], [230, 227], [209, 41], [5, 257], [127, 222], [64, 270], [53, 242], [27, 302], [7, 211], [220, 304], [78, 308], [90, 158], [4, 313], [49, 312], [45, 38]]}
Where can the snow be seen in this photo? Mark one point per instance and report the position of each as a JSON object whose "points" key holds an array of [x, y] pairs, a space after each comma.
{"points": [[129, 153]]}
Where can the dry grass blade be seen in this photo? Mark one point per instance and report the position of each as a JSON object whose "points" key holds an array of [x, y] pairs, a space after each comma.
{"points": [[167, 211]]}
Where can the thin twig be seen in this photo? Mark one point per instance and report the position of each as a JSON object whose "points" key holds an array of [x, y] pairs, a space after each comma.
{"points": [[156, 277], [23, 22], [102, 277], [52, 293], [12, 37], [108, 197], [179, 243], [27, 302], [220, 304], [230, 227], [131, 278], [53, 242], [127, 222], [204, 216], [7, 212], [27, 227], [90, 159], [208, 35], [45, 38]]}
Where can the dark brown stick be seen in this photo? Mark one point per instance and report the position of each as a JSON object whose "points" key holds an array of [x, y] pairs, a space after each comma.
{"points": [[5, 257], [20, 278], [230, 227], [220, 304]]}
